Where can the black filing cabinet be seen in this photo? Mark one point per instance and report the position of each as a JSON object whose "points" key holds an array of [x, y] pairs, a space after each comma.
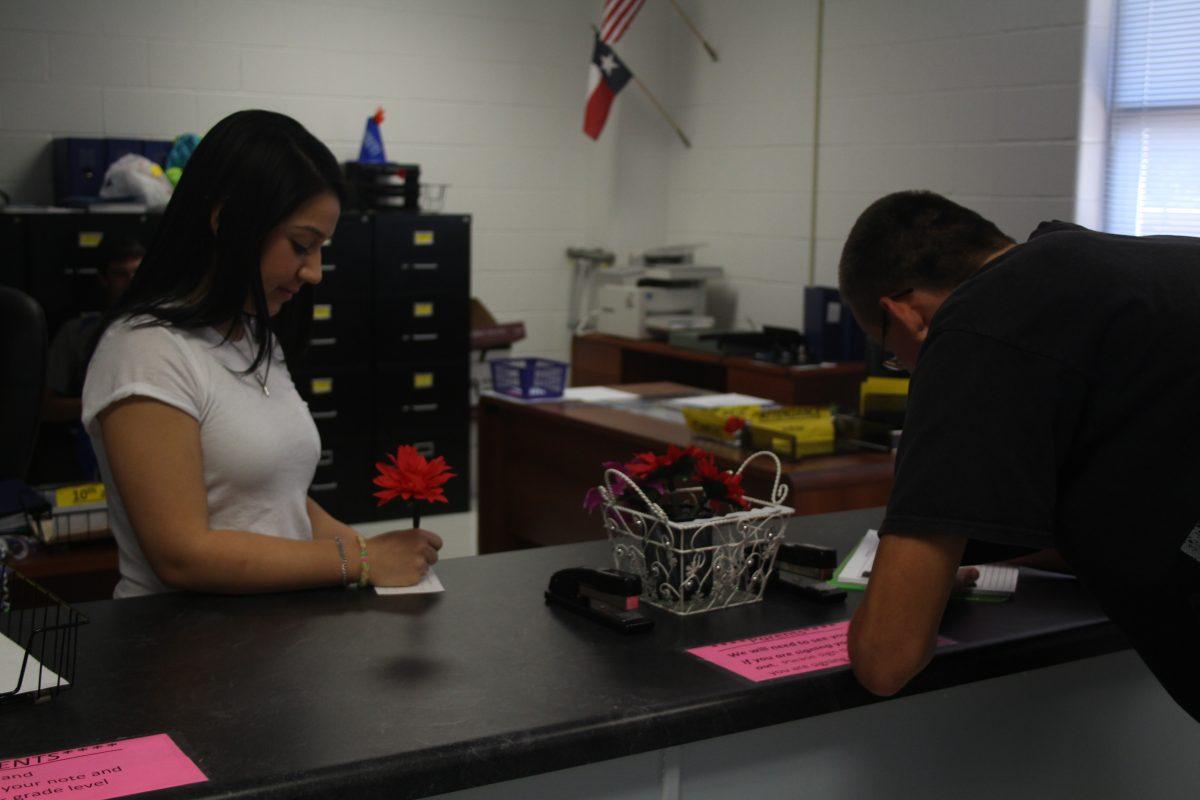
{"points": [[62, 253], [388, 360], [388, 363], [421, 316], [12, 250]]}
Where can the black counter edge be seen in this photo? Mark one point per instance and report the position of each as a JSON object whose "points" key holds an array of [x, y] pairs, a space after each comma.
{"points": [[502, 758]]}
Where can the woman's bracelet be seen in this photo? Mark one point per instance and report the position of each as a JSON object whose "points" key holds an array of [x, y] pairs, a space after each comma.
{"points": [[342, 555], [364, 579]]}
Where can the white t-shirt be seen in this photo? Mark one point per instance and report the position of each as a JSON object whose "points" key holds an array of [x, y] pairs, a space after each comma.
{"points": [[260, 452]]}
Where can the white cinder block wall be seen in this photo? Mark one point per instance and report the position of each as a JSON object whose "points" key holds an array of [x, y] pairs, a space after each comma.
{"points": [[487, 95], [976, 99], [745, 187], [979, 99]]}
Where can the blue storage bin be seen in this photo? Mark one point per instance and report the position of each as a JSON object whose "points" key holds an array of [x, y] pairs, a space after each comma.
{"points": [[157, 150], [79, 166], [116, 148], [80, 163], [528, 378]]}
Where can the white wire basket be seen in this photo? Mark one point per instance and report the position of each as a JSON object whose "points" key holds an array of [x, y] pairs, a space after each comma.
{"points": [[699, 565]]}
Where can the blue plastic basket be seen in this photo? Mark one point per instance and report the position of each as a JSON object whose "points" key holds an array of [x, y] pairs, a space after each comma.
{"points": [[528, 378]]}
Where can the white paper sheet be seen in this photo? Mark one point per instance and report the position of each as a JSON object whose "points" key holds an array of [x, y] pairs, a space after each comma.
{"points": [[994, 580], [718, 400], [11, 655], [597, 394], [427, 585]]}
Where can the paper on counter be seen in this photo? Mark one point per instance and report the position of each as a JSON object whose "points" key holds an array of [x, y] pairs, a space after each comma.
{"points": [[427, 585], [100, 771], [995, 581], [719, 400], [598, 394], [11, 657], [780, 655]]}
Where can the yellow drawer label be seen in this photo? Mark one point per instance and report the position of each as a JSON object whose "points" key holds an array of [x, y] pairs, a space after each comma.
{"points": [[322, 311], [422, 238], [422, 380], [79, 495], [322, 385], [421, 310], [90, 239]]}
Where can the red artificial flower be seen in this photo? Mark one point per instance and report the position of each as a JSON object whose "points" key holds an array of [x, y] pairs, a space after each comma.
{"points": [[677, 454], [678, 462], [411, 477], [643, 466], [734, 424], [720, 486]]}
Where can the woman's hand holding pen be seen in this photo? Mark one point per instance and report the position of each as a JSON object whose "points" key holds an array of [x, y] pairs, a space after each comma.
{"points": [[402, 557]]}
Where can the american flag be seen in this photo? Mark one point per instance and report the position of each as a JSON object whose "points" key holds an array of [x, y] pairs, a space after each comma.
{"points": [[618, 15]]}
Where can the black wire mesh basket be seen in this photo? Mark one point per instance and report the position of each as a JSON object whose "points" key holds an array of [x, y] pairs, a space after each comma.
{"points": [[39, 659]]}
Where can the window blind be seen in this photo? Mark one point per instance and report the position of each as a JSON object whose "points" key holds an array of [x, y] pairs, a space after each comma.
{"points": [[1153, 176]]}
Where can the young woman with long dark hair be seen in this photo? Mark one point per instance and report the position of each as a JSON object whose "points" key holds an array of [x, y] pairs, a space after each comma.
{"points": [[204, 445]]}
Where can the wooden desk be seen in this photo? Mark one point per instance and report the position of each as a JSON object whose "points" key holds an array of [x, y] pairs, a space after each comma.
{"points": [[600, 359], [77, 572], [536, 461]]}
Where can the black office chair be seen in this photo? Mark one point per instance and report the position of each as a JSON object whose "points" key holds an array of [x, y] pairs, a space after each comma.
{"points": [[22, 376]]}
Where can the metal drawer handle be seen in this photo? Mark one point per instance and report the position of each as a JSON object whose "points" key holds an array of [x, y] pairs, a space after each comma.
{"points": [[326, 458], [328, 267], [426, 265], [425, 448], [324, 487], [422, 407], [324, 342], [424, 337], [324, 415]]}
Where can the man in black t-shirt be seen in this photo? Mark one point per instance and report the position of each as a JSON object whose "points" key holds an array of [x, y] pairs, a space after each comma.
{"points": [[1053, 411]]}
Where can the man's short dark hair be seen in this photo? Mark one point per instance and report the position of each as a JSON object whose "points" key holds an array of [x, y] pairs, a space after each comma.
{"points": [[913, 239]]}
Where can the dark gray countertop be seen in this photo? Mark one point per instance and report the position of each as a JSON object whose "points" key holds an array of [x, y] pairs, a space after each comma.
{"points": [[323, 692]]}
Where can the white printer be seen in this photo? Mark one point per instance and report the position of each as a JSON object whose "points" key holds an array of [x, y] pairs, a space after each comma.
{"points": [[665, 293]]}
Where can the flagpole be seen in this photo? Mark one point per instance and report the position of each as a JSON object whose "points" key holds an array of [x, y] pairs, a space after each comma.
{"points": [[712, 53], [661, 110]]}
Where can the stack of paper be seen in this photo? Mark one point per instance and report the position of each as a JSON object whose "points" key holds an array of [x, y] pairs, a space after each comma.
{"points": [[720, 401], [995, 582], [598, 394]]}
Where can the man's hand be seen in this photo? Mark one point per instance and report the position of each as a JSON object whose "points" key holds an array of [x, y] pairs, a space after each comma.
{"points": [[965, 579], [894, 630]]}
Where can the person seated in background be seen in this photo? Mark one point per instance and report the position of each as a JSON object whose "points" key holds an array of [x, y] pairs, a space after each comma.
{"points": [[67, 358], [63, 451], [205, 447]]}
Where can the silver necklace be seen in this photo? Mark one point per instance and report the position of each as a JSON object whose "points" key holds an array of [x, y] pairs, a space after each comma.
{"points": [[262, 380]]}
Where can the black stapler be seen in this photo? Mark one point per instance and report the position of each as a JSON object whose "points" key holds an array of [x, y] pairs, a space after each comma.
{"points": [[804, 568], [607, 596]]}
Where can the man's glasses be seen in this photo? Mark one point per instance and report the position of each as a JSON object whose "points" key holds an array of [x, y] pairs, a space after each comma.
{"points": [[890, 362]]}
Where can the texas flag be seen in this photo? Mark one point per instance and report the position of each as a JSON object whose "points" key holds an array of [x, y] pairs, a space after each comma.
{"points": [[608, 76]]}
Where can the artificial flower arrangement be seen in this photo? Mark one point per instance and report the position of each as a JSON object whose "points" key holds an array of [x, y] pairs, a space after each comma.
{"points": [[687, 527], [410, 476], [660, 477]]}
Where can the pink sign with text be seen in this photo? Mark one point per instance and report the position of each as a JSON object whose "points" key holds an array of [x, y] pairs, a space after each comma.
{"points": [[779, 655], [96, 772]]}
